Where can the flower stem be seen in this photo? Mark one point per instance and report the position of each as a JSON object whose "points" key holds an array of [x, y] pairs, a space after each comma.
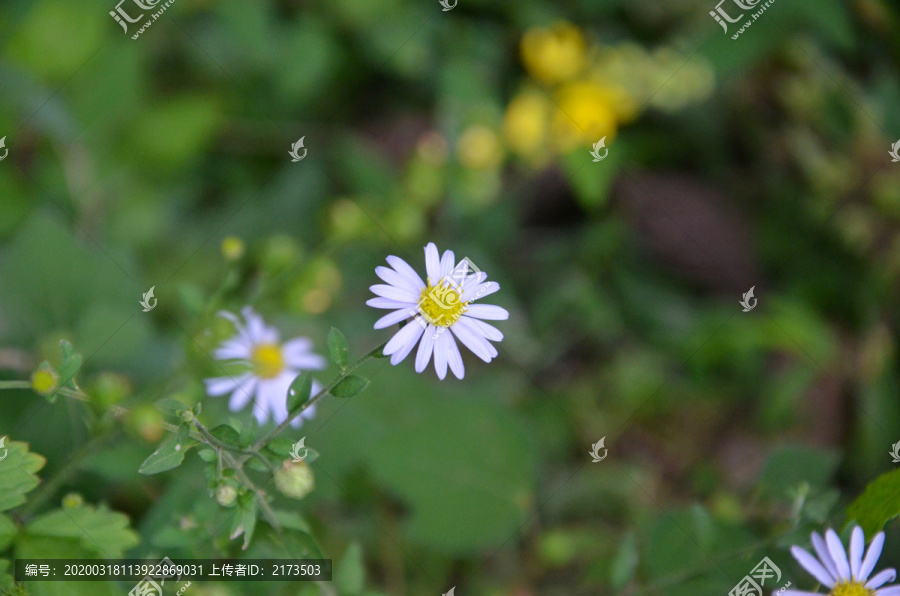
{"points": [[344, 373], [15, 385]]}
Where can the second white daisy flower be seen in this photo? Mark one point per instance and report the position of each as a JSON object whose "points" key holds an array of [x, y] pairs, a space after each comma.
{"points": [[442, 309]]}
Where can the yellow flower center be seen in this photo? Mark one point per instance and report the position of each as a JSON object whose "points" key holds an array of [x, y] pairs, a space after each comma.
{"points": [[43, 381], [440, 304], [267, 361], [852, 588]]}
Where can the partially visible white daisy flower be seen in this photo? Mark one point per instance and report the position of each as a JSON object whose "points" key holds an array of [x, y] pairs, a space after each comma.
{"points": [[443, 304], [272, 367], [843, 576]]}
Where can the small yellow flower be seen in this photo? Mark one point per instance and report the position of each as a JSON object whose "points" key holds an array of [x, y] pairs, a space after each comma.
{"points": [[586, 114], [232, 248], [44, 379], [226, 495], [479, 148], [525, 123], [555, 54]]}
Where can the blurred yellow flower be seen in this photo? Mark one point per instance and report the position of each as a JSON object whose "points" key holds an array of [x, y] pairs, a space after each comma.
{"points": [[525, 123], [555, 54], [232, 248], [586, 113], [479, 148], [44, 379]]}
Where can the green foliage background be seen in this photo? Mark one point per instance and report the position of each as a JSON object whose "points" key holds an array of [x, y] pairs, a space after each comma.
{"points": [[731, 435]]}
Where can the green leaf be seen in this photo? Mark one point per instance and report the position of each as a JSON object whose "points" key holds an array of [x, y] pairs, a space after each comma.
{"points": [[338, 351], [350, 572], [17, 473], [44, 547], [879, 503], [8, 531], [6, 579], [169, 455], [350, 386], [299, 391], [625, 562], [68, 369], [280, 446], [168, 405], [245, 520], [207, 455], [790, 466], [104, 532], [227, 434]]}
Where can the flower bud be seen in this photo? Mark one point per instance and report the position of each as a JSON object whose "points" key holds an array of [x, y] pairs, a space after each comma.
{"points": [[226, 495], [72, 500], [295, 480], [44, 379]]}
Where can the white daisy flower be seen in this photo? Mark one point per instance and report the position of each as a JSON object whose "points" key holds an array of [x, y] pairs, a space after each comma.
{"points": [[272, 365], [843, 576], [444, 303]]}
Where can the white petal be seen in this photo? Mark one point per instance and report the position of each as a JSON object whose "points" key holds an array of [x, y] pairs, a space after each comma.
{"points": [[857, 546], [432, 263], [809, 562], [395, 317], [824, 556], [871, 556], [398, 279], [296, 346], [394, 293], [838, 554], [242, 394], [473, 340], [447, 263], [891, 591], [403, 268], [233, 349], [404, 351], [220, 386], [299, 363], [257, 330], [388, 303], [423, 356], [486, 329], [441, 354], [454, 358], [487, 311], [410, 332], [882, 577]]}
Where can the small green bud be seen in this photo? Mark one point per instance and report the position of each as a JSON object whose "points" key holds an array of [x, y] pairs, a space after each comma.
{"points": [[187, 416], [44, 380], [226, 495], [72, 500], [295, 480]]}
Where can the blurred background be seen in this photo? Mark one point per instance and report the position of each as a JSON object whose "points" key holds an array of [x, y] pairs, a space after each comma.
{"points": [[760, 162]]}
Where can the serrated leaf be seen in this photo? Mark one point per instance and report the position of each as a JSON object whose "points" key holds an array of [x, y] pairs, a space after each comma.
{"points": [[8, 531], [245, 520], [169, 455], [226, 434], [168, 405], [350, 386], [338, 352], [104, 532], [17, 473], [878, 504], [299, 391]]}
